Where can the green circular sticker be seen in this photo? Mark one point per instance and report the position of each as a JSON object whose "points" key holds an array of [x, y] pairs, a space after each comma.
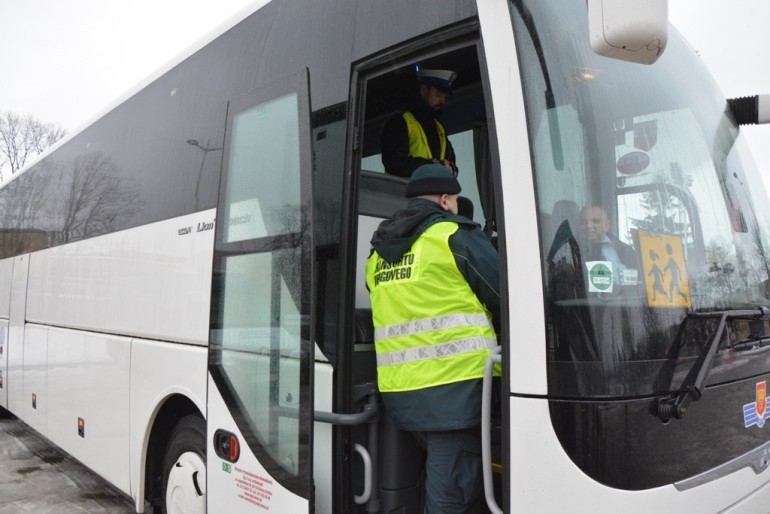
{"points": [[600, 277]]}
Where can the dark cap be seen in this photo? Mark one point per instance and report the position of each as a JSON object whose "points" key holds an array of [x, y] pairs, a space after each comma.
{"points": [[441, 79], [432, 179]]}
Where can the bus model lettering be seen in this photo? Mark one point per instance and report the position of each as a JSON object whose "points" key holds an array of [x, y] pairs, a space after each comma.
{"points": [[203, 226], [240, 220]]}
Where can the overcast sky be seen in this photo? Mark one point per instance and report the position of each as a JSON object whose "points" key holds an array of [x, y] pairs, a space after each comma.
{"points": [[65, 60]]}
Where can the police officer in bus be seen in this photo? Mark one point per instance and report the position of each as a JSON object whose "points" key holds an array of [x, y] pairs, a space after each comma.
{"points": [[415, 136], [433, 282]]}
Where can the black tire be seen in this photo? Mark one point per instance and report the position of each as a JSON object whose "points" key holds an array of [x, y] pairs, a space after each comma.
{"points": [[188, 435]]}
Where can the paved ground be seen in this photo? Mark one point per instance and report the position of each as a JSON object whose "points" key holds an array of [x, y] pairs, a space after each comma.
{"points": [[38, 477]]}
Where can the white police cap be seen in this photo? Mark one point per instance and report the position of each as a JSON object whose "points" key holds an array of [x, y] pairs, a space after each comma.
{"points": [[442, 79]]}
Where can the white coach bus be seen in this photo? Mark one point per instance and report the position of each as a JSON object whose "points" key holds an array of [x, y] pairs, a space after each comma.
{"points": [[182, 301]]}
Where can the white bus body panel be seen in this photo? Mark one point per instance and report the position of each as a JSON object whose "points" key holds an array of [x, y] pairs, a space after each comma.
{"points": [[88, 379], [152, 281], [526, 350], [35, 395], [13, 382], [158, 371], [756, 502], [244, 486], [6, 276], [544, 478], [3, 363]]}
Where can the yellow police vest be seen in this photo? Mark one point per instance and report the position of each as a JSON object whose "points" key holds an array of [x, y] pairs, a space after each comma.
{"points": [[418, 141], [429, 327]]}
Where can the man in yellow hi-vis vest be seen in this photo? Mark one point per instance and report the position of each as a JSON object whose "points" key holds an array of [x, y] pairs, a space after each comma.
{"points": [[415, 136], [433, 283]]}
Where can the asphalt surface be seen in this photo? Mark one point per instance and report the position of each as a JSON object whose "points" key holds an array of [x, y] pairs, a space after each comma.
{"points": [[36, 476]]}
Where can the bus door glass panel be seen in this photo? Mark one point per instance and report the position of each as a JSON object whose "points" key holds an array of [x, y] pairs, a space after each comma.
{"points": [[260, 355]]}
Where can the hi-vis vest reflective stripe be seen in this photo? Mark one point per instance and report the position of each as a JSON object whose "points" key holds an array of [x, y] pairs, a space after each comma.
{"points": [[418, 141], [429, 327]]}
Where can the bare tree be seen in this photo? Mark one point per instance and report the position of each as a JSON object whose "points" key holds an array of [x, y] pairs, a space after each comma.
{"points": [[94, 200], [23, 137], [22, 206]]}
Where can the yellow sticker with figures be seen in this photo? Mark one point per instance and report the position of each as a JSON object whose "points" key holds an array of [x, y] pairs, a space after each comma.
{"points": [[664, 270]]}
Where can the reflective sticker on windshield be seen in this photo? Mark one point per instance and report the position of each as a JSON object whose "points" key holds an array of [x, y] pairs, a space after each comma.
{"points": [[628, 277], [599, 276], [756, 413], [664, 270]]}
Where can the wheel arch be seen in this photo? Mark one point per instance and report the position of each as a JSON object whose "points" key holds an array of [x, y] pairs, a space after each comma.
{"points": [[173, 408]]}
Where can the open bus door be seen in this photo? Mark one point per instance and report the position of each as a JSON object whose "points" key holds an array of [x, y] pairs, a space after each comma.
{"points": [[260, 398]]}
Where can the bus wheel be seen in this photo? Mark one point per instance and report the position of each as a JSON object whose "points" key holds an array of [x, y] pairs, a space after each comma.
{"points": [[184, 468]]}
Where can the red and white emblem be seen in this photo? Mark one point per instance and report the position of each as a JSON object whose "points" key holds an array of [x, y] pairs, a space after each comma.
{"points": [[755, 413]]}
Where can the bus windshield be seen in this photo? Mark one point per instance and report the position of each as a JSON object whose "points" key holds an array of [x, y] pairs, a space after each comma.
{"points": [[650, 209]]}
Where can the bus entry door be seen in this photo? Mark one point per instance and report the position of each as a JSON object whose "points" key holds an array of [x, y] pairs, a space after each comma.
{"points": [[260, 349]]}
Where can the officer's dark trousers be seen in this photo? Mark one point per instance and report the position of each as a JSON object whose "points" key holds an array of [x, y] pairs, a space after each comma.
{"points": [[453, 482]]}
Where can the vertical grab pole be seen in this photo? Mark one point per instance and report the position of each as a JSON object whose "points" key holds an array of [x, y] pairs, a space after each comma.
{"points": [[486, 426], [373, 502]]}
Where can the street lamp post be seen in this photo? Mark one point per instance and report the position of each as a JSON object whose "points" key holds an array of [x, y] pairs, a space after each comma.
{"points": [[206, 149]]}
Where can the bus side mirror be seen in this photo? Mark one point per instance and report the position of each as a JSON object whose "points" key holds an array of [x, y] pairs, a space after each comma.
{"points": [[629, 30], [750, 110]]}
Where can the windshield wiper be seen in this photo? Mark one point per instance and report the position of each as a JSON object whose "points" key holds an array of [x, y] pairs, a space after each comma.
{"points": [[750, 343], [675, 405]]}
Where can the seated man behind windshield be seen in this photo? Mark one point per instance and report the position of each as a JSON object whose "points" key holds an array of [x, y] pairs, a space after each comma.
{"points": [[602, 245]]}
